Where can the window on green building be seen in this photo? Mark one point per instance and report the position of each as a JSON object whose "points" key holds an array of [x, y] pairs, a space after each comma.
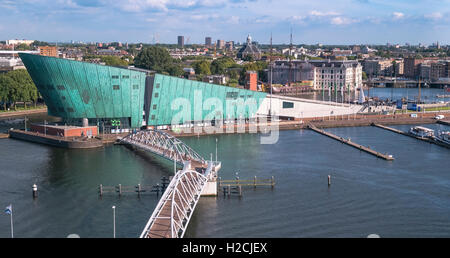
{"points": [[116, 87]]}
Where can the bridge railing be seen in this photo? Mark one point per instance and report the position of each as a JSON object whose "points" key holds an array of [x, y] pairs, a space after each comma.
{"points": [[183, 193]]}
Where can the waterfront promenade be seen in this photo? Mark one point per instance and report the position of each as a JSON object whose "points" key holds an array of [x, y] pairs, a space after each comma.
{"points": [[8, 114]]}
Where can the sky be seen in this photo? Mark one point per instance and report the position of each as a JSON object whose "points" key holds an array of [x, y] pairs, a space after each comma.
{"points": [[161, 21]]}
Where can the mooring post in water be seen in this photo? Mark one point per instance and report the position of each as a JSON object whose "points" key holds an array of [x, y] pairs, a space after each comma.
{"points": [[34, 191], [240, 191], [254, 182], [139, 190], [229, 191], [273, 182], [101, 189], [120, 189], [329, 180]]}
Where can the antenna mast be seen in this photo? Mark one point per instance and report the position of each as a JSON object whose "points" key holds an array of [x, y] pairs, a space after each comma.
{"points": [[270, 64], [290, 79]]}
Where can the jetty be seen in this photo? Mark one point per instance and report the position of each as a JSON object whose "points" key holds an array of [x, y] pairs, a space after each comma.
{"points": [[352, 144], [428, 140]]}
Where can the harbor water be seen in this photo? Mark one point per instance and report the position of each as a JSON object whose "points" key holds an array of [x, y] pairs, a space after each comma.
{"points": [[427, 95], [408, 197]]}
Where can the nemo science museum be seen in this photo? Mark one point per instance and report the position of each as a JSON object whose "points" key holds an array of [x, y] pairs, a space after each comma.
{"points": [[84, 93]]}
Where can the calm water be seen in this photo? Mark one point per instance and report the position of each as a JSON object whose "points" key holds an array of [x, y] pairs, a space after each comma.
{"points": [[409, 197], [428, 95]]}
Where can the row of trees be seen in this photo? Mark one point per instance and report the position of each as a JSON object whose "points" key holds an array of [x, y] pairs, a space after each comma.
{"points": [[17, 86]]}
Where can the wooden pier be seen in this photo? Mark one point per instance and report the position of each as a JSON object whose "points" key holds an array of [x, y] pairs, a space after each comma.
{"points": [[4, 135], [350, 143], [235, 186], [444, 122], [428, 140]]}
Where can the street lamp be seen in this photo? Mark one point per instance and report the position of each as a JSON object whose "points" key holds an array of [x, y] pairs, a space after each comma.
{"points": [[114, 221]]}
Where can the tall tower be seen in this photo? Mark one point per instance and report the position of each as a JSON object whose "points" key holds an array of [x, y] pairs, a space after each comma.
{"points": [[181, 41], [290, 79]]}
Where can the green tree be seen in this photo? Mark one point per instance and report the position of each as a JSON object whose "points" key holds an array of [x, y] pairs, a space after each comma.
{"points": [[5, 84], [364, 75], [202, 67], [17, 86], [22, 47], [258, 66], [220, 65], [154, 58]]}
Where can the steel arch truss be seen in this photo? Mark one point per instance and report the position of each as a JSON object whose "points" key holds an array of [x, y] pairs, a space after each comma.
{"points": [[175, 209], [165, 145]]}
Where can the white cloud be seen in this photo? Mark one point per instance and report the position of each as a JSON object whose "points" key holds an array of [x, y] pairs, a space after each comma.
{"points": [[398, 15], [434, 16], [318, 13], [164, 5], [234, 20], [341, 20]]}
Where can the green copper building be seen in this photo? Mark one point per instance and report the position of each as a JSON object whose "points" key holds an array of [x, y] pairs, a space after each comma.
{"points": [[75, 90]]}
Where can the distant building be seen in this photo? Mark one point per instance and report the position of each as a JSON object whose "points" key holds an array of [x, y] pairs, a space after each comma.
{"points": [[229, 46], [216, 79], [249, 50], [251, 80], [181, 41], [19, 41], [440, 70], [325, 74], [208, 42], [10, 64], [48, 51], [111, 52], [425, 71], [220, 44], [341, 52], [411, 67], [378, 67], [399, 67]]}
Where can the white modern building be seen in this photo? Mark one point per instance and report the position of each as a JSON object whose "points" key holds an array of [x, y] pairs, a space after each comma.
{"points": [[19, 41]]}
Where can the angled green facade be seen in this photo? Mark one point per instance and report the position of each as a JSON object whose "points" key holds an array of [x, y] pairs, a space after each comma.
{"points": [[74, 90], [103, 94], [169, 93]]}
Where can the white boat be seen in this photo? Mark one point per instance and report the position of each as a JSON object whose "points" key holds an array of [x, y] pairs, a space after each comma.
{"points": [[443, 137], [422, 132]]}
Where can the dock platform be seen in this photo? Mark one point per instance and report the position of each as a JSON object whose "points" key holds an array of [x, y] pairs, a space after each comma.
{"points": [[352, 144], [4, 135], [429, 140], [444, 122]]}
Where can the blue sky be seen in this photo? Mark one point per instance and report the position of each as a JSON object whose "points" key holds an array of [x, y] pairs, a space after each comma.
{"points": [[312, 21]]}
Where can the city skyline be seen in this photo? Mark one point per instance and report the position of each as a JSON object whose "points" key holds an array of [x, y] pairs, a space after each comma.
{"points": [[152, 21]]}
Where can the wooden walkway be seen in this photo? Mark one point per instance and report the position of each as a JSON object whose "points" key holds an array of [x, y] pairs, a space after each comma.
{"points": [[350, 143], [171, 217], [428, 140]]}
